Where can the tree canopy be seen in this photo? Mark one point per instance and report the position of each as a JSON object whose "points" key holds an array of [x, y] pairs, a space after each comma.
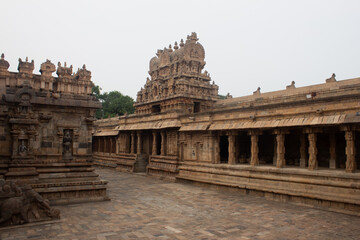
{"points": [[113, 103]]}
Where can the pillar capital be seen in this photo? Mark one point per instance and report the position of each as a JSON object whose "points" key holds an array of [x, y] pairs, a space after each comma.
{"points": [[312, 130], [347, 128], [279, 131], [253, 132]]}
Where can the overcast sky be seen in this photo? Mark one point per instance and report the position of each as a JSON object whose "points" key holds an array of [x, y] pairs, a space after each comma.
{"points": [[247, 43]]}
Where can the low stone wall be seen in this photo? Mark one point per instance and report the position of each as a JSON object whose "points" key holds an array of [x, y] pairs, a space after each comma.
{"points": [[333, 190], [124, 162], [163, 167]]}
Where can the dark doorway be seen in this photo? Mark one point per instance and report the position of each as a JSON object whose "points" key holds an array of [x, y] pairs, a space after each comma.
{"points": [[357, 149], [155, 109], [158, 144], [292, 149], [340, 150], [266, 148], [196, 107], [224, 149], [243, 148], [323, 146]]}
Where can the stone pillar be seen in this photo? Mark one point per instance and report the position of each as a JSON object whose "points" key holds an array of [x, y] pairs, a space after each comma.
{"points": [[350, 151], [154, 146], [111, 144], [105, 144], [181, 153], [313, 163], [216, 149], [275, 152], [254, 149], [232, 157], [138, 149], [280, 150], [302, 151], [163, 143], [132, 143], [118, 142], [332, 151]]}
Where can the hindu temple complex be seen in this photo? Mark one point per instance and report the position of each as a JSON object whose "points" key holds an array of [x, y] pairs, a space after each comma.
{"points": [[46, 126], [299, 144]]}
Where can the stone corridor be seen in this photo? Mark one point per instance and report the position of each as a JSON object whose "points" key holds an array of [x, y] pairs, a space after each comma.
{"points": [[142, 207]]}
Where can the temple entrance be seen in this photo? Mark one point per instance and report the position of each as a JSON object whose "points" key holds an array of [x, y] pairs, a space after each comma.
{"points": [[323, 147], [266, 148], [292, 149], [224, 149]]}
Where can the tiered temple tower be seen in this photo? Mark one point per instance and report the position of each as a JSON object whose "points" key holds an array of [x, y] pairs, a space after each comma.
{"points": [[176, 80], [45, 131]]}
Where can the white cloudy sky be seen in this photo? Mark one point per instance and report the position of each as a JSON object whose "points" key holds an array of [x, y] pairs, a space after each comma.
{"points": [[248, 43]]}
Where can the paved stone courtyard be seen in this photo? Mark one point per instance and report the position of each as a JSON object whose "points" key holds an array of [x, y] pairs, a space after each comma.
{"points": [[145, 208]]}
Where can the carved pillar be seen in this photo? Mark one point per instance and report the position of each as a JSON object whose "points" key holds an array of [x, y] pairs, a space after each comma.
{"points": [[132, 143], [154, 146], [254, 148], [350, 151], [232, 157], [332, 151], [280, 150], [163, 143], [138, 149], [302, 150], [313, 163]]}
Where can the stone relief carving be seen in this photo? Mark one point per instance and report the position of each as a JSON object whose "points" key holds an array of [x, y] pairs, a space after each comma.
{"points": [[22, 204], [23, 148], [67, 144]]}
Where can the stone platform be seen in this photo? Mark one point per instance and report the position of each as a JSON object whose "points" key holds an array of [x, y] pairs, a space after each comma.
{"points": [[142, 207]]}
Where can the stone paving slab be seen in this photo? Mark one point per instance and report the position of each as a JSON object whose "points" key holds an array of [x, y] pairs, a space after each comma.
{"points": [[142, 207]]}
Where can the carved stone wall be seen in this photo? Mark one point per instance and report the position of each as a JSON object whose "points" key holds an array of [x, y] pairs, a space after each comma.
{"points": [[46, 126]]}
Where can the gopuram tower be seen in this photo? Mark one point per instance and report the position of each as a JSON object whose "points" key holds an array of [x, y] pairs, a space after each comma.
{"points": [[177, 81]]}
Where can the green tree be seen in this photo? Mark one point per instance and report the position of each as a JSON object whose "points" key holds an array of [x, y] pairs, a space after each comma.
{"points": [[113, 103]]}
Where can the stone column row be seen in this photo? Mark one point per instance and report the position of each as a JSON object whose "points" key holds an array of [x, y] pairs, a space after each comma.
{"points": [[280, 149], [136, 146], [163, 143]]}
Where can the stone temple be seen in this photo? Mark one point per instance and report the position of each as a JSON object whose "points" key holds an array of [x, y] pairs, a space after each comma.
{"points": [[46, 126], [296, 144]]}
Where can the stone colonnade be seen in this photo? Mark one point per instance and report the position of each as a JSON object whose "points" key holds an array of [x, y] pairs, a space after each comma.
{"points": [[306, 153], [109, 144]]}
